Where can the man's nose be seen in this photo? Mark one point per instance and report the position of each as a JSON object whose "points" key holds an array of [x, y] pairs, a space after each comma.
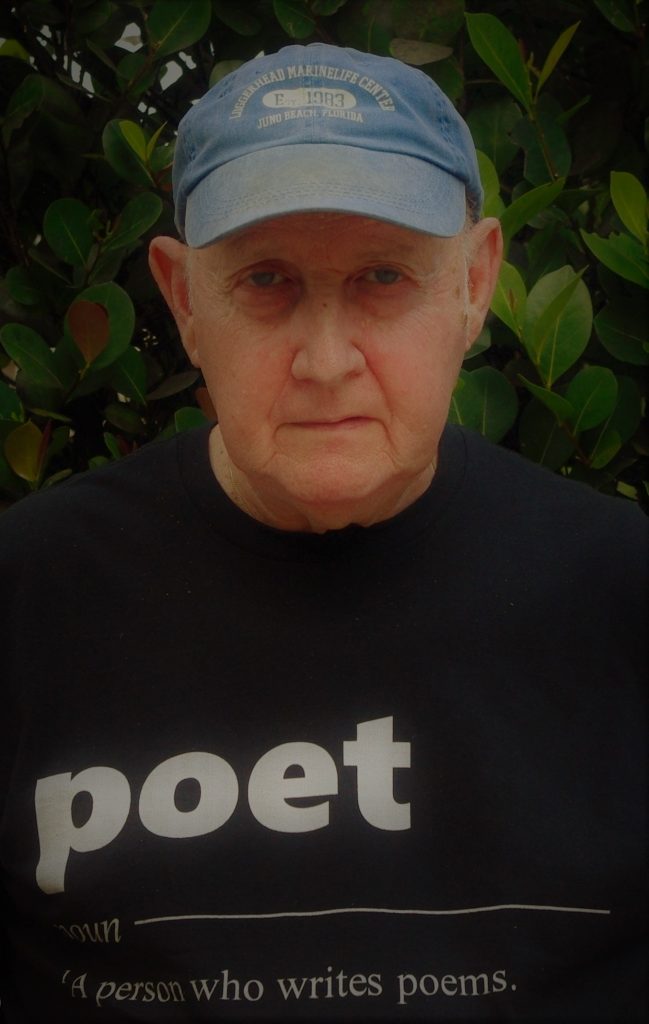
{"points": [[328, 350]]}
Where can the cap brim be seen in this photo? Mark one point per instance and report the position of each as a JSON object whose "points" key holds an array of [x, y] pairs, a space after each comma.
{"points": [[314, 177]]}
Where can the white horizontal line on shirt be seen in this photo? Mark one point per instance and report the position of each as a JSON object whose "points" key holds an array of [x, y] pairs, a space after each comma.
{"points": [[371, 910]]}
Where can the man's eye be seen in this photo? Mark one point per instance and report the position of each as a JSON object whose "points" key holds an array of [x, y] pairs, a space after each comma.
{"points": [[383, 275], [266, 278]]}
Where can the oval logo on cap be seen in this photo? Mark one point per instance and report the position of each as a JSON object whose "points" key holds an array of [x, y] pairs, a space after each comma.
{"points": [[308, 96]]}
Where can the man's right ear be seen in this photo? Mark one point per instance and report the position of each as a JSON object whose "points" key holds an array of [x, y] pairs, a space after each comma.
{"points": [[168, 263]]}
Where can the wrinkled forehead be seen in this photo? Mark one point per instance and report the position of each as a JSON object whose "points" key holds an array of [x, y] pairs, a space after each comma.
{"points": [[325, 236]]}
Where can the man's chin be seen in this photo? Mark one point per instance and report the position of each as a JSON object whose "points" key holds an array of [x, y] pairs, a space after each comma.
{"points": [[333, 497]]}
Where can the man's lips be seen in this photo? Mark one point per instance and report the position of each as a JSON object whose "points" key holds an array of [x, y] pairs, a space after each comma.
{"points": [[344, 423]]}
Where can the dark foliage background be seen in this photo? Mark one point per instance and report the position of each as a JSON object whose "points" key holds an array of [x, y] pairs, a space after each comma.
{"points": [[555, 94]]}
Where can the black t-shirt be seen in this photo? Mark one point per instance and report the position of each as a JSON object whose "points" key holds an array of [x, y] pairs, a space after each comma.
{"points": [[393, 773]]}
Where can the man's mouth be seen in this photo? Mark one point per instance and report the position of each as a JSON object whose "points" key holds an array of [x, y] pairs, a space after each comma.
{"points": [[344, 423]]}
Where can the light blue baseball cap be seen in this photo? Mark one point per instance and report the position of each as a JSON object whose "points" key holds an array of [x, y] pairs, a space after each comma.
{"points": [[323, 128]]}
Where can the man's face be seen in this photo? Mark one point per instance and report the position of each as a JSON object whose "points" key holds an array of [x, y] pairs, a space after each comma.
{"points": [[330, 345]]}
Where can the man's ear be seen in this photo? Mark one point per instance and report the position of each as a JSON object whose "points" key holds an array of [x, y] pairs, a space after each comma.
{"points": [[168, 262], [484, 250]]}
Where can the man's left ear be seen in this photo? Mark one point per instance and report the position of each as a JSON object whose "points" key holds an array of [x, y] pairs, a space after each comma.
{"points": [[168, 263], [484, 250]]}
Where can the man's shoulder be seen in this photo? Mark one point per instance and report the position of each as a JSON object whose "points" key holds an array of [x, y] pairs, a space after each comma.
{"points": [[512, 512], [99, 496], [511, 485]]}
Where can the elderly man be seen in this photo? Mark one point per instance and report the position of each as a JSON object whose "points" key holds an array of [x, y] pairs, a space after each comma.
{"points": [[327, 711]]}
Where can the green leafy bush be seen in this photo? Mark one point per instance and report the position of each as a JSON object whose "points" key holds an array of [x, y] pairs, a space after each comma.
{"points": [[91, 93]]}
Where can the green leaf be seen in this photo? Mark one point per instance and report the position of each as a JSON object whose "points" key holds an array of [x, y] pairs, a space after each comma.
{"points": [[68, 363], [151, 144], [58, 440], [50, 415], [23, 451], [368, 26], [68, 231], [22, 288], [499, 50], [621, 254], [620, 14], [233, 14], [327, 7], [603, 443], [10, 486], [12, 48], [173, 25], [491, 126], [607, 447], [56, 478], [135, 74], [91, 18], [189, 417], [485, 401], [557, 323], [139, 214], [11, 408], [527, 206], [223, 68], [418, 52], [36, 92], [122, 157], [31, 354], [36, 397], [555, 55], [493, 205], [50, 265], [628, 489], [547, 151], [568, 114], [121, 317], [128, 375], [622, 329], [124, 418], [294, 18], [592, 394], [630, 202], [101, 54], [161, 166], [420, 19], [174, 385], [560, 407], [448, 76], [40, 13], [27, 98], [134, 135], [509, 298], [548, 248], [542, 439], [111, 443], [162, 158]]}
